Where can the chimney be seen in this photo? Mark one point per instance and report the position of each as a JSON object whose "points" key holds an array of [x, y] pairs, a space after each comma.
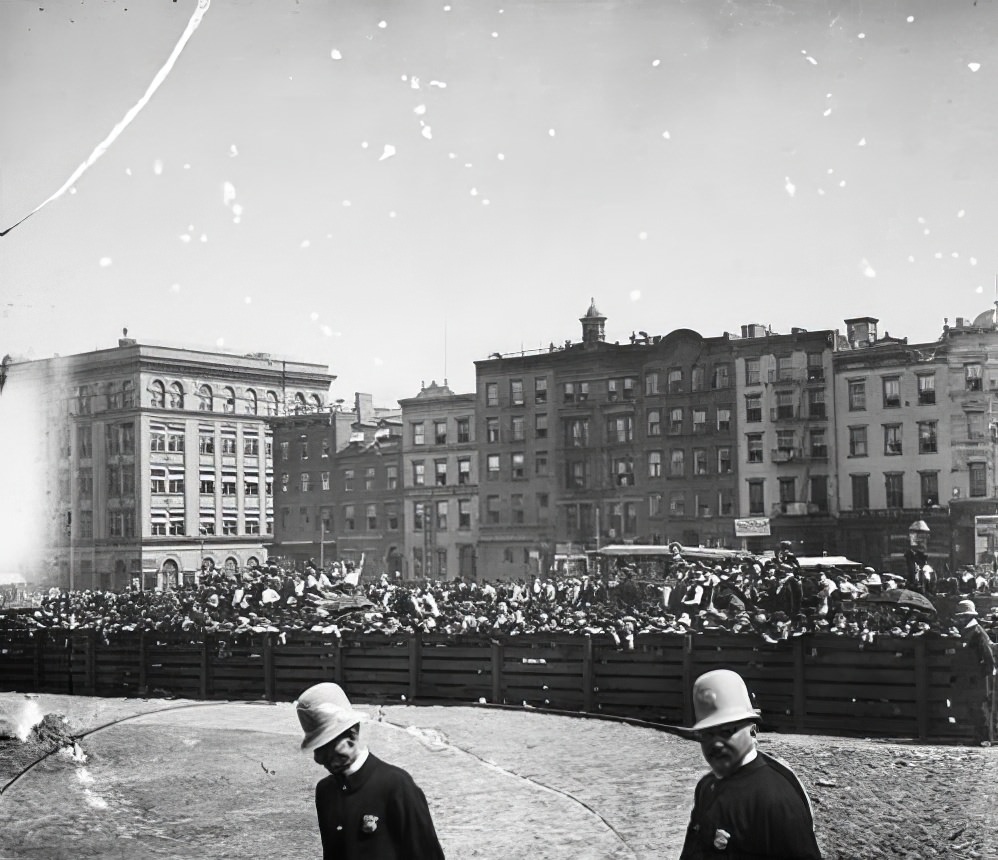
{"points": [[753, 330], [364, 408]]}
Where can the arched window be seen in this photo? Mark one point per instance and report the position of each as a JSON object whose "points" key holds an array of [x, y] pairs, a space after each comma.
{"points": [[176, 396], [204, 398], [299, 402], [271, 403], [157, 394], [228, 400], [127, 394], [316, 401], [250, 402]]}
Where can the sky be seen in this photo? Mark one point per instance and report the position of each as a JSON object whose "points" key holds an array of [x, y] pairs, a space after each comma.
{"points": [[397, 188]]}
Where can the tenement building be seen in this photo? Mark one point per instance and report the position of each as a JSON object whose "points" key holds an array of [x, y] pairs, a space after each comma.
{"points": [[155, 460], [440, 483]]}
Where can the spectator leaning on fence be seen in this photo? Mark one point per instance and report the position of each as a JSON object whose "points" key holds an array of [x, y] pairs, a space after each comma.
{"points": [[750, 805], [366, 807], [974, 636]]}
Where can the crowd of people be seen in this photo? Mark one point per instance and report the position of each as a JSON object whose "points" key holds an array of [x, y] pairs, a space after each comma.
{"points": [[770, 597]]}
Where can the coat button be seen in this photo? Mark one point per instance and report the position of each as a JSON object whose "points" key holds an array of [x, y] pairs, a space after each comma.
{"points": [[339, 826]]}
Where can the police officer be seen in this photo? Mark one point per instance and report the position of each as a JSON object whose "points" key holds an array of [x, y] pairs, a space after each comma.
{"points": [[367, 808], [750, 805]]}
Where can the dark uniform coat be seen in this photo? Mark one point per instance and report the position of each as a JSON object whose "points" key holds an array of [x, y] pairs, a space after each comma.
{"points": [[377, 813], [759, 811]]}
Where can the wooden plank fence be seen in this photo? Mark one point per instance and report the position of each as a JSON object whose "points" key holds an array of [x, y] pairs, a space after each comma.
{"points": [[925, 688]]}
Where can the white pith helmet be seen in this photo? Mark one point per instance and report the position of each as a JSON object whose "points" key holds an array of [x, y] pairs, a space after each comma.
{"points": [[721, 697], [325, 712]]}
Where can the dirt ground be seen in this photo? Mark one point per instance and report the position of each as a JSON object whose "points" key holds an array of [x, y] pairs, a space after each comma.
{"points": [[214, 780]]}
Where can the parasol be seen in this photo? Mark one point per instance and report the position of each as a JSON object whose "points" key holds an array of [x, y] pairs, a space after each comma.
{"points": [[902, 598]]}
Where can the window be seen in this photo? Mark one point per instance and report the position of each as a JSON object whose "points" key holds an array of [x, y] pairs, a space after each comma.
{"points": [[349, 518], [929, 486], [157, 438], [252, 524], [464, 513], [756, 497], [84, 441], [784, 368], [541, 464], [540, 390], [620, 389], [700, 461], [176, 522], [299, 403], [677, 503], [392, 516], [785, 443], [206, 483], [250, 408], [651, 383], [440, 473], [677, 462], [175, 480], [492, 467], [517, 431], [860, 492], [857, 395], [892, 392], [491, 393], [439, 432], [857, 442], [723, 419], [576, 432], [516, 508], [418, 473], [623, 469], [753, 371], [369, 477], [819, 493], [785, 408], [303, 449], [725, 502], [655, 505], [517, 467], [417, 562], [464, 470], [620, 429], [894, 487], [754, 442], [516, 392], [324, 478], [788, 490], [676, 420], [326, 449], [973, 375], [83, 398], [492, 510], [228, 400], [206, 440], [675, 380], [575, 474], [268, 445], [204, 399], [492, 429], [305, 482], [816, 403], [975, 425], [371, 515], [721, 376], [463, 430], [251, 485], [654, 422], [926, 389], [818, 445], [251, 446], [157, 394], [815, 367], [391, 477], [697, 376], [927, 443], [157, 520], [753, 408], [228, 442], [575, 392], [85, 484], [441, 515], [285, 446], [541, 425], [699, 420], [285, 481], [892, 439], [271, 403], [978, 473], [724, 461], [654, 464], [417, 433]]}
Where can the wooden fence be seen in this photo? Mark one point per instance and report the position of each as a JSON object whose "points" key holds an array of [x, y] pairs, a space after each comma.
{"points": [[925, 688]]}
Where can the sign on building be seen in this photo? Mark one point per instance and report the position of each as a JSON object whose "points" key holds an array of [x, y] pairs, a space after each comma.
{"points": [[752, 527]]}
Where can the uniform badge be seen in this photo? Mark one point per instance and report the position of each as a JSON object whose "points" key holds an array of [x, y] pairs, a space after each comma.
{"points": [[721, 838], [370, 824]]}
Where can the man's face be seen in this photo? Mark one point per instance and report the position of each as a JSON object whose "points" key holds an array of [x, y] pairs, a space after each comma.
{"points": [[725, 746], [341, 752]]}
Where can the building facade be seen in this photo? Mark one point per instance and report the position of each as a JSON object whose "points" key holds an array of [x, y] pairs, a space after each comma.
{"points": [[440, 483], [160, 459]]}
